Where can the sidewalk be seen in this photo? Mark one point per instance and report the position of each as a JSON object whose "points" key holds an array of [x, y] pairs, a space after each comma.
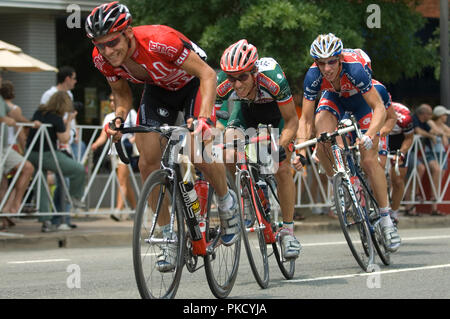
{"points": [[101, 230]]}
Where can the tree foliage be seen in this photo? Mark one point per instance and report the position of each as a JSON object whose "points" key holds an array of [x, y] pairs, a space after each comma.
{"points": [[285, 29]]}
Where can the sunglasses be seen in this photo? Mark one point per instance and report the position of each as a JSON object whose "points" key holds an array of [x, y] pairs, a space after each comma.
{"points": [[240, 78], [330, 62], [110, 44]]}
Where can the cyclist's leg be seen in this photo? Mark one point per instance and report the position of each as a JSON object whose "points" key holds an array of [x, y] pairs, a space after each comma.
{"points": [[328, 113], [370, 165], [214, 172]]}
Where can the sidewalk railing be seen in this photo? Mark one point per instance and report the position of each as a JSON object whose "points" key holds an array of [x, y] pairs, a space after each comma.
{"points": [[109, 188], [312, 189]]}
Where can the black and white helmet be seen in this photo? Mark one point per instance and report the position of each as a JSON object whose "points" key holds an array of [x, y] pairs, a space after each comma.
{"points": [[107, 18], [325, 46]]}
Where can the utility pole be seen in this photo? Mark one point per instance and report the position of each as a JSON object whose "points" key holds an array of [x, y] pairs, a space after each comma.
{"points": [[445, 75]]}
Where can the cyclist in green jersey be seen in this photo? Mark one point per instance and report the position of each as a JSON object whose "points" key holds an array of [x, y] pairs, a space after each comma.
{"points": [[260, 93]]}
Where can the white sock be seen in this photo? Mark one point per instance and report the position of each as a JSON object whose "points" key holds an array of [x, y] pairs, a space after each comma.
{"points": [[226, 202], [394, 213], [385, 218], [289, 226]]}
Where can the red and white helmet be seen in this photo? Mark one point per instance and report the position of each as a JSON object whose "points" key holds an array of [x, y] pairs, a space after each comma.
{"points": [[107, 18], [239, 57]]}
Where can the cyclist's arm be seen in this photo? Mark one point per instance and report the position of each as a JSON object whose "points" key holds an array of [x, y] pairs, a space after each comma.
{"points": [[379, 112], [306, 122], [407, 142], [194, 65], [391, 119], [290, 123], [123, 97]]}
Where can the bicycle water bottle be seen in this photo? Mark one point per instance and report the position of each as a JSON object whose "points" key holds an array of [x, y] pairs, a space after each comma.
{"points": [[263, 195], [193, 211], [358, 190]]}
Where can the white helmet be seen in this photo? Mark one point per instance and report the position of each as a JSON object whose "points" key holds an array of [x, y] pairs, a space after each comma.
{"points": [[325, 46]]}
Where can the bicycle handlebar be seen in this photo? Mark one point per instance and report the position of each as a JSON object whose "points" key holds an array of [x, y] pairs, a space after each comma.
{"points": [[397, 157]]}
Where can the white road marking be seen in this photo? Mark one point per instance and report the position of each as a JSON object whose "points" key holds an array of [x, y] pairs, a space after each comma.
{"points": [[369, 274], [38, 261], [331, 243]]}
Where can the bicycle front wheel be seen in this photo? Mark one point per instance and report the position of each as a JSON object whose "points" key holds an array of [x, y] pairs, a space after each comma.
{"points": [[353, 224], [221, 262], [155, 281], [252, 233]]}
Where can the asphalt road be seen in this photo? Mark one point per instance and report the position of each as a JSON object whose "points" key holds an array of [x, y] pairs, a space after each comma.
{"points": [[326, 269]]}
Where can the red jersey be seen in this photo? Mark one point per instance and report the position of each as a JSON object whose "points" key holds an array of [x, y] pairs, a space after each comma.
{"points": [[404, 122], [161, 51]]}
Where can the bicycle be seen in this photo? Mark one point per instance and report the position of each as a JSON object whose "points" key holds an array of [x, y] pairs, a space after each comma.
{"points": [[257, 218], [169, 188], [356, 207]]}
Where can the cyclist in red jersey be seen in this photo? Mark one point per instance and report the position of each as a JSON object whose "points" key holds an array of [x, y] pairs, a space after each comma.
{"points": [[176, 78], [401, 137]]}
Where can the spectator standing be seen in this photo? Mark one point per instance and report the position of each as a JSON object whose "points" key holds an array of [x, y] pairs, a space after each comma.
{"points": [[121, 168], [52, 113]]}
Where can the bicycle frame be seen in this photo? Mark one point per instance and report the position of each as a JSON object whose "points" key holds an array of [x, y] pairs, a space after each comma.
{"points": [[244, 169], [170, 163]]}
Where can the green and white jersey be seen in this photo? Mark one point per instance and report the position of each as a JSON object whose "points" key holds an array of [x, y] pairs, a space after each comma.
{"points": [[272, 85]]}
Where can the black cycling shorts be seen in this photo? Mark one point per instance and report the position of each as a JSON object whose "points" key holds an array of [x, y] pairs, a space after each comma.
{"points": [[160, 106]]}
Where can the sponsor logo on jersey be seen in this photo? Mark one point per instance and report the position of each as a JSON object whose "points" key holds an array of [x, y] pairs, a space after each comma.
{"points": [[224, 88], [162, 48], [268, 83], [182, 57], [163, 112], [99, 62]]}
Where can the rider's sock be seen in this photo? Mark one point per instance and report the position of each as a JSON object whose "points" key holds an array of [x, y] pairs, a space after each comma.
{"points": [[289, 226], [226, 202], [385, 218], [394, 214]]}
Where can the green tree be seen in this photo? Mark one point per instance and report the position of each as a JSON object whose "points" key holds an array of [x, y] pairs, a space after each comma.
{"points": [[284, 30]]}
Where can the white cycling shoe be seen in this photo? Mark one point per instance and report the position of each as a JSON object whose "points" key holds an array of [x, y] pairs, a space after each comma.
{"points": [[291, 245]]}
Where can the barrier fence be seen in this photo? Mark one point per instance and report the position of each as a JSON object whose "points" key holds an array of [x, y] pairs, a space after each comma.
{"points": [[312, 187]]}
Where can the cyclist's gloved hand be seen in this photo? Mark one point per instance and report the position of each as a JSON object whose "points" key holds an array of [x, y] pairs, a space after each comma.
{"points": [[114, 127], [366, 140], [203, 124]]}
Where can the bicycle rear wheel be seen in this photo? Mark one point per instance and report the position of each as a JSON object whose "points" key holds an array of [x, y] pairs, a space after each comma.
{"points": [[221, 265], [353, 225], [373, 211], [148, 243], [252, 233]]}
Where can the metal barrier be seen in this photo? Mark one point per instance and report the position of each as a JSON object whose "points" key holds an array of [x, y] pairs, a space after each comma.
{"points": [[306, 196], [86, 159]]}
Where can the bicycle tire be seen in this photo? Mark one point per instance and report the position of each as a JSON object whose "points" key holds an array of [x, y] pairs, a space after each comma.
{"points": [[353, 225], [221, 267], [152, 283], [258, 258], [373, 211], [287, 266]]}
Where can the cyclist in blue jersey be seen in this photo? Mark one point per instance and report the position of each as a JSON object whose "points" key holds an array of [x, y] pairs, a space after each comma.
{"points": [[345, 78], [260, 93]]}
